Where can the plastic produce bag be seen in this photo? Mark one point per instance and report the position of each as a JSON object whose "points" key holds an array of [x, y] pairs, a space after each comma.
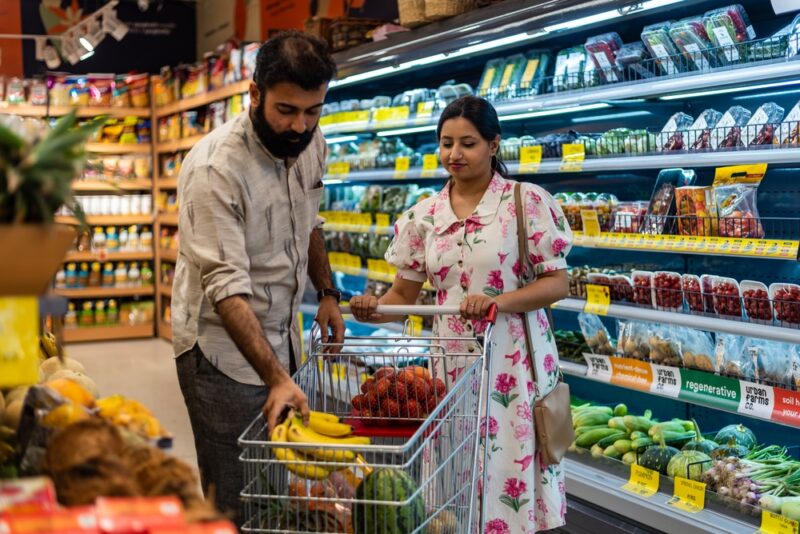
{"points": [[697, 349], [657, 40], [700, 131], [665, 345], [760, 129], [635, 56], [728, 128], [673, 132], [661, 205], [634, 339], [794, 37], [602, 50], [736, 206], [732, 357], [640, 142], [570, 65], [695, 214], [692, 40], [596, 334], [612, 142], [727, 28], [789, 131], [773, 361]]}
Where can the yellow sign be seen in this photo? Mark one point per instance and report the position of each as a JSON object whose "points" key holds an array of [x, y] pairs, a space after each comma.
{"points": [[643, 481], [382, 220], [740, 174], [572, 156], [339, 168], [598, 299], [772, 523], [397, 113], [354, 116], [530, 157], [425, 109], [689, 496], [416, 324], [430, 162], [401, 166], [591, 224], [19, 341]]}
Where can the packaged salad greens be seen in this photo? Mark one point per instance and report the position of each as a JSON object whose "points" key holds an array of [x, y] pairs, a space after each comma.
{"points": [[537, 64], [760, 129], [657, 40], [727, 28], [729, 126], [569, 69], [602, 50], [490, 79], [699, 133], [672, 134], [635, 56], [690, 36], [511, 75]]}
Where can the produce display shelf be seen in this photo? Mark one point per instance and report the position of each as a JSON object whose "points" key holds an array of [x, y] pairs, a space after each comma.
{"points": [[118, 148], [167, 254], [699, 322], [141, 184], [107, 333], [778, 249], [604, 490], [102, 255], [177, 145], [165, 330], [167, 183], [731, 76], [105, 292], [28, 110], [702, 388], [169, 219], [373, 175], [203, 99], [108, 220], [165, 290]]}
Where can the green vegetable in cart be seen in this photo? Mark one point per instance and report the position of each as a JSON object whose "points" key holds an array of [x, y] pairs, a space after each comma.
{"points": [[689, 464], [740, 434], [657, 457], [390, 486], [584, 429]]}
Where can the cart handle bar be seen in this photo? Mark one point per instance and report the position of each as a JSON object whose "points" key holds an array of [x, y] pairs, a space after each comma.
{"points": [[392, 309]]}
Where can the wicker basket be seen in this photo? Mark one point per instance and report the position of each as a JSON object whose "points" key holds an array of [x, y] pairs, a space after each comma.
{"points": [[349, 32], [412, 13], [442, 9]]}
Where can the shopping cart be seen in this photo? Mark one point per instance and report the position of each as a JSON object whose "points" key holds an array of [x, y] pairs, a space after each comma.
{"points": [[439, 453]]}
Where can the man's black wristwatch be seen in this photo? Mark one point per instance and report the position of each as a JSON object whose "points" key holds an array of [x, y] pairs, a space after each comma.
{"points": [[329, 293]]}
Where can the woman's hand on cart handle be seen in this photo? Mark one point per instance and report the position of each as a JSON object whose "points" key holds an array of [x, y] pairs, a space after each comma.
{"points": [[382, 311], [364, 308], [476, 307]]}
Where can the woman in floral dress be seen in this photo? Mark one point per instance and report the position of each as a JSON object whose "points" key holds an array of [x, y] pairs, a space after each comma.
{"points": [[464, 241]]}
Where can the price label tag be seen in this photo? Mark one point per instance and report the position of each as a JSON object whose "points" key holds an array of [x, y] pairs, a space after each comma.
{"points": [[689, 496], [339, 168], [416, 324], [756, 400], [425, 109], [530, 157], [599, 367], [398, 113], [383, 220], [19, 339], [572, 157], [591, 224], [430, 163], [354, 116], [401, 166], [642, 481], [666, 381], [772, 523], [598, 299]]}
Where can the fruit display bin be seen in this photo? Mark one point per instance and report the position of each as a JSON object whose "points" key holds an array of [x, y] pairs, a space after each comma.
{"points": [[299, 482]]}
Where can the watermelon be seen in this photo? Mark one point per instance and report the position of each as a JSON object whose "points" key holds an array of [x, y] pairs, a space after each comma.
{"points": [[689, 464], [397, 516], [740, 434]]}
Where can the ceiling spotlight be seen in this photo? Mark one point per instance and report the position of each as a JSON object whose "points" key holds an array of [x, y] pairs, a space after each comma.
{"points": [[93, 35], [114, 26]]}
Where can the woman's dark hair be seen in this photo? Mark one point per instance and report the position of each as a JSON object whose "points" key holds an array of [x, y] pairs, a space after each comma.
{"points": [[483, 116], [293, 57]]}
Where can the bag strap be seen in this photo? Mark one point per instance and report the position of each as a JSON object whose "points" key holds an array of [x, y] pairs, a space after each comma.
{"points": [[522, 238]]}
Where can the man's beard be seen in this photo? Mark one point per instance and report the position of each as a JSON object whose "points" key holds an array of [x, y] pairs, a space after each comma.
{"points": [[282, 145]]}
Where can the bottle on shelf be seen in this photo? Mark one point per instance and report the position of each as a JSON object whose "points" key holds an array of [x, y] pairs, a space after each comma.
{"points": [[99, 239], [71, 318], [87, 314], [147, 274], [108, 275], [146, 238], [95, 275], [121, 275], [85, 241], [61, 279], [134, 275], [112, 239], [123, 239], [164, 239], [168, 313], [71, 275], [112, 312], [100, 317], [83, 275], [133, 238]]}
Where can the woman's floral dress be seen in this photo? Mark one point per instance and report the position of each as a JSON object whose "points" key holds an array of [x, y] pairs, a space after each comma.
{"points": [[480, 255]]}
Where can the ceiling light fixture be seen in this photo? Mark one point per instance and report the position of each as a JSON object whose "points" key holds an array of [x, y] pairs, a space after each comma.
{"points": [[341, 139], [550, 112], [714, 92]]}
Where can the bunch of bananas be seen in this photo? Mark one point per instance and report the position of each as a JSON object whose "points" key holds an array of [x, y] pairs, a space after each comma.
{"points": [[324, 430], [131, 415], [36, 175], [48, 346]]}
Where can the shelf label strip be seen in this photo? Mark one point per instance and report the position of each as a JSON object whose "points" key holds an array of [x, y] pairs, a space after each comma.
{"points": [[689, 496], [772, 523], [643, 482]]}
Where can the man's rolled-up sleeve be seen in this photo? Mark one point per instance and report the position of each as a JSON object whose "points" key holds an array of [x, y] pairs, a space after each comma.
{"points": [[213, 233]]}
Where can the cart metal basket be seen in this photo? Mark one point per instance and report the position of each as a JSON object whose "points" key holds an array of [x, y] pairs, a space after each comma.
{"points": [[439, 453]]}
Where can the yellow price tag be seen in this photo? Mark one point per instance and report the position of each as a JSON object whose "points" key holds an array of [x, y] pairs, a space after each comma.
{"points": [[401, 166], [689, 496], [740, 174], [430, 162], [591, 224], [398, 113], [383, 220], [530, 157], [425, 109], [572, 156], [643, 481], [353, 116], [598, 299], [19, 339], [416, 324], [772, 523], [339, 168]]}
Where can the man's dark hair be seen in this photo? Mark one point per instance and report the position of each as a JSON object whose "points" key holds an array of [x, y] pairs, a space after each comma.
{"points": [[294, 57]]}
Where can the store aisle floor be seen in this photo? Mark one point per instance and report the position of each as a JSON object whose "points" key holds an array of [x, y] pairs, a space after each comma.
{"points": [[143, 370]]}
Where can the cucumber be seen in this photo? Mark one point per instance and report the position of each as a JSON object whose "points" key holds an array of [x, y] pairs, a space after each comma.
{"points": [[641, 424], [612, 452], [597, 451], [636, 435], [618, 423], [629, 457], [669, 426], [587, 439], [676, 439], [640, 443], [620, 410], [623, 445], [591, 419], [611, 439], [583, 429]]}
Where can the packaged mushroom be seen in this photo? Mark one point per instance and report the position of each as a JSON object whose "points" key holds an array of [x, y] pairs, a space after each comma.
{"points": [[596, 335], [634, 339], [697, 350], [665, 347], [774, 361], [732, 357]]}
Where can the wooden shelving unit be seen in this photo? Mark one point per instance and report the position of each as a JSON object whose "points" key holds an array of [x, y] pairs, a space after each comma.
{"points": [[29, 110], [178, 144], [108, 333], [166, 254], [118, 148], [168, 219], [165, 330], [167, 183], [133, 255], [165, 291], [108, 220], [201, 100], [99, 186], [105, 292]]}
